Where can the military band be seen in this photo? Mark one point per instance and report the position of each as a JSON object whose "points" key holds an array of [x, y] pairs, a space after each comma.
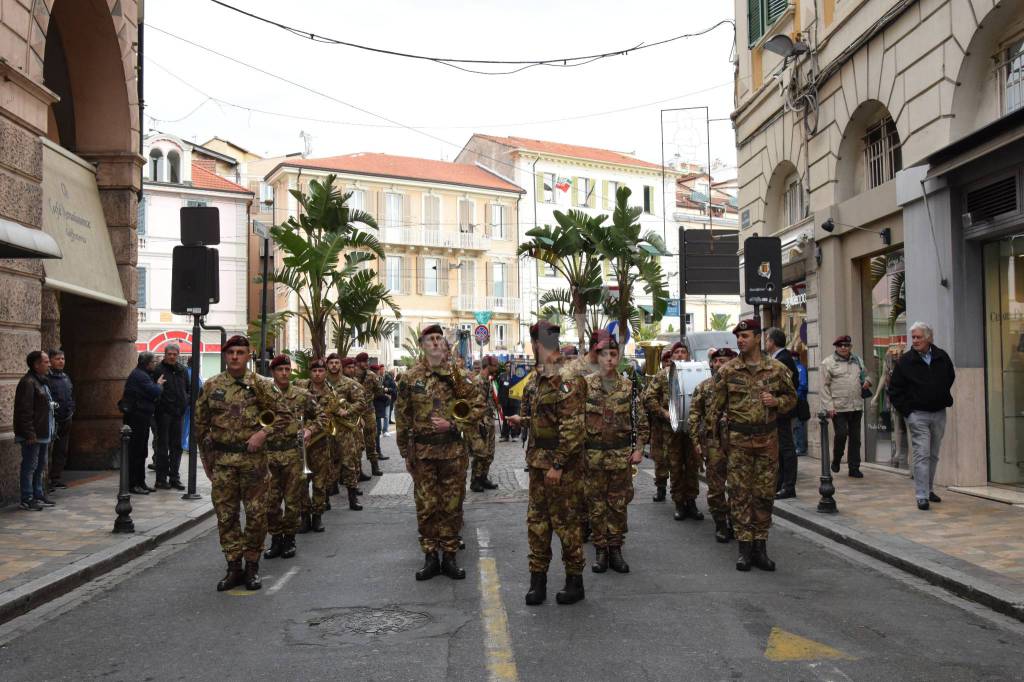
{"points": [[705, 433]]}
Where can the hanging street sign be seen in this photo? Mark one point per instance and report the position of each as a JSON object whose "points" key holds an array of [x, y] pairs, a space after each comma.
{"points": [[483, 317]]}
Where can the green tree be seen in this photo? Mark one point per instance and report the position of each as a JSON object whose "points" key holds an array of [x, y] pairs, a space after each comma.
{"points": [[720, 322], [313, 244], [360, 297], [635, 258], [565, 249]]}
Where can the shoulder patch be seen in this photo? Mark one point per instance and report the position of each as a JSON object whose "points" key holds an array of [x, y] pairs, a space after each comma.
{"points": [[218, 394], [565, 388]]}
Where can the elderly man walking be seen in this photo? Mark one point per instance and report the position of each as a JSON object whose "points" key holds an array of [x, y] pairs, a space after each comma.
{"points": [[843, 382], [920, 389]]}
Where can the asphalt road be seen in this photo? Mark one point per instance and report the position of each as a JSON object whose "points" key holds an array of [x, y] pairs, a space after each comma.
{"points": [[347, 608]]}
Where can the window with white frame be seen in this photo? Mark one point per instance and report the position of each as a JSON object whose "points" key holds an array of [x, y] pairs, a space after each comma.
{"points": [[193, 203], [498, 274], [357, 202], [497, 222], [432, 212], [393, 273], [501, 335], [793, 200], [467, 215], [174, 166], [1013, 76], [609, 197], [882, 155], [648, 199], [547, 270], [392, 209], [156, 164], [467, 278], [549, 188], [266, 198], [585, 193], [396, 336], [141, 227], [431, 275], [142, 302]]}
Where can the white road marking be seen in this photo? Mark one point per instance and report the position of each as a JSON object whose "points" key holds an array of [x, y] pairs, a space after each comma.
{"points": [[283, 580]]}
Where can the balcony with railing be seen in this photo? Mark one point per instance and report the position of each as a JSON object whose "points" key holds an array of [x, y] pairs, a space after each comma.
{"points": [[435, 238], [496, 304]]}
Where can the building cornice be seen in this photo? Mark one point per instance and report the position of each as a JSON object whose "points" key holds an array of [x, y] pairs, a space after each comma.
{"points": [[284, 169]]}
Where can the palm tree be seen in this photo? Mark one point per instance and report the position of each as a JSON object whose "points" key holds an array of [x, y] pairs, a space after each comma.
{"points": [[312, 244], [720, 322], [634, 258], [360, 296], [566, 250]]}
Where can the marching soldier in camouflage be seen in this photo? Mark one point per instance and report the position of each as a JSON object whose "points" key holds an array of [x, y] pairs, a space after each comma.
{"points": [[554, 455], [227, 424], [683, 462], [429, 440], [350, 439], [372, 387], [704, 433], [659, 448], [752, 390], [611, 453], [284, 459], [483, 451]]}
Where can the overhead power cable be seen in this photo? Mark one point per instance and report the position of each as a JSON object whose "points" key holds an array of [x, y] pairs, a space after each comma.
{"points": [[459, 62]]}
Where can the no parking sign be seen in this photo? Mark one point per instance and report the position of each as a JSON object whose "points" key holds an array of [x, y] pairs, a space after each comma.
{"points": [[482, 334]]}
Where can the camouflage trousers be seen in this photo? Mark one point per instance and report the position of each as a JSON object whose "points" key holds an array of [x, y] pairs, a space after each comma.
{"points": [[684, 465], [609, 492], [753, 470], [659, 449], [348, 463], [287, 486], [240, 481], [555, 509], [717, 469], [483, 456], [439, 486], [370, 435], [321, 463]]}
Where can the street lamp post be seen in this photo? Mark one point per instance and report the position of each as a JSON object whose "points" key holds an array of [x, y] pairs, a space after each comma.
{"points": [[263, 230]]}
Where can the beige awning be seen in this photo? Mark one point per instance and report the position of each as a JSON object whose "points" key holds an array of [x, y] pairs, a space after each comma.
{"points": [[73, 216]]}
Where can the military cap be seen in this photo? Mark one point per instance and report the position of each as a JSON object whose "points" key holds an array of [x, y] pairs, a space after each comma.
{"points": [[362, 357], [544, 328], [607, 343], [236, 340], [346, 362], [597, 336], [431, 329], [333, 356], [279, 360], [749, 325], [490, 361], [570, 350], [724, 352], [845, 338], [677, 344], [317, 362], [666, 356]]}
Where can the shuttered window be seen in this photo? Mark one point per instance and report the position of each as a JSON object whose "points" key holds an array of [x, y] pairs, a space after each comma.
{"points": [[466, 215], [761, 14], [497, 221], [142, 288], [432, 212], [140, 229]]}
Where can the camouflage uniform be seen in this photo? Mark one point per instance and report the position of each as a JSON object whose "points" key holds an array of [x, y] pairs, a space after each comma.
{"points": [[226, 416], [703, 426], [608, 419], [678, 453], [555, 420], [483, 450], [349, 442], [660, 443], [372, 388], [439, 460], [319, 454], [284, 459], [753, 439]]}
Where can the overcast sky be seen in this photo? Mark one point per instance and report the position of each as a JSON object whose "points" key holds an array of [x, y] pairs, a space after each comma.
{"points": [[449, 104]]}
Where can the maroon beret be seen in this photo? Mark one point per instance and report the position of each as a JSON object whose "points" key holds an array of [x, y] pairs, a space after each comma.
{"points": [[845, 338], [544, 329], [279, 360], [362, 357], [490, 361], [677, 344], [317, 362], [597, 336], [607, 343], [333, 356], [346, 362], [236, 340], [666, 355], [724, 352], [431, 329], [569, 350], [749, 325]]}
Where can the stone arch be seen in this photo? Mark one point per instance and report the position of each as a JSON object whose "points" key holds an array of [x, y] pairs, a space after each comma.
{"points": [[776, 214], [852, 173], [977, 99]]}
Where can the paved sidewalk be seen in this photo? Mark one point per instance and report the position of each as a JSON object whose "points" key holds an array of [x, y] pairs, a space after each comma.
{"points": [[46, 554], [971, 546]]}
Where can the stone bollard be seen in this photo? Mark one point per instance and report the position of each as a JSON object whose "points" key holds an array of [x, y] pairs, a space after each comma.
{"points": [[827, 490], [123, 523]]}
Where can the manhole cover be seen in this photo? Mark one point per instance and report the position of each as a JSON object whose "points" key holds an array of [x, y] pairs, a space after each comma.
{"points": [[369, 621]]}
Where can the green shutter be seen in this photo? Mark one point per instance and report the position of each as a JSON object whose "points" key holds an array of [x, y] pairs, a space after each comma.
{"points": [[755, 20], [776, 8]]}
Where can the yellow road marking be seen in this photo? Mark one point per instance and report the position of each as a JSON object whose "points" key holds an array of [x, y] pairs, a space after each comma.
{"points": [[501, 662], [785, 646], [241, 592]]}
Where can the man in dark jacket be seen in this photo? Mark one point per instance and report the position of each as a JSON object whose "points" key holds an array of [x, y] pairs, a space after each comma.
{"points": [[775, 346], [63, 394], [33, 429], [170, 410], [920, 389], [141, 394]]}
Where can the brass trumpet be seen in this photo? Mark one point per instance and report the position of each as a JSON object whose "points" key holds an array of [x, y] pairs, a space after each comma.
{"points": [[652, 357], [331, 430], [267, 418], [459, 410]]}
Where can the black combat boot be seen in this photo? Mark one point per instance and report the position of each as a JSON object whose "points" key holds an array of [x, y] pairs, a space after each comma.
{"points": [[680, 513], [303, 523], [233, 578], [732, 533], [353, 500], [659, 494], [333, 490], [316, 524], [476, 485], [253, 581], [538, 589], [362, 476], [600, 560], [431, 567], [488, 484], [759, 557], [327, 504], [275, 548], [615, 560], [462, 543], [744, 559], [375, 468], [288, 547], [692, 511], [586, 531], [572, 592], [722, 533], [450, 567]]}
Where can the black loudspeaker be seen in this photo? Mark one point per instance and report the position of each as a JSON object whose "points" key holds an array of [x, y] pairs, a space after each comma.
{"points": [[195, 280], [200, 225]]}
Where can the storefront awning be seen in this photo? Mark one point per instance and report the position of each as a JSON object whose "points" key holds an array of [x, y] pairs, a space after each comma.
{"points": [[18, 241], [73, 217], [976, 145]]}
